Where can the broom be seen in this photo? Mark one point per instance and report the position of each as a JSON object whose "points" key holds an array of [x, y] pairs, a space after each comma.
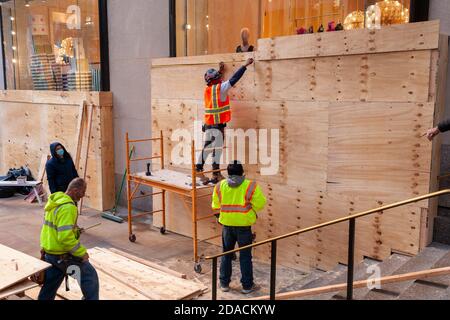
{"points": [[112, 214]]}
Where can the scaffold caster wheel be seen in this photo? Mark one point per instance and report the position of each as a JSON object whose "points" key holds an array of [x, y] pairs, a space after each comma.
{"points": [[132, 238], [162, 230], [198, 268]]}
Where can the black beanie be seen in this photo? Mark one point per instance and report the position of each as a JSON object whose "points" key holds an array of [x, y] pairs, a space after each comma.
{"points": [[235, 169]]}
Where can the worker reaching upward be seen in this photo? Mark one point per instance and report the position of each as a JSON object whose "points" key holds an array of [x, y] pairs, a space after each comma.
{"points": [[238, 200], [217, 115], [61, 246]]}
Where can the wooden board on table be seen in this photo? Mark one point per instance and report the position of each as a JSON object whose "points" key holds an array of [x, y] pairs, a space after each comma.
{"points": [[18, 288], [171, 178], [16, 266]]}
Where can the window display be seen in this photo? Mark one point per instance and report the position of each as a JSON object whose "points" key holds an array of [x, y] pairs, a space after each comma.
{"points": [[52, 44], [214, 26]]}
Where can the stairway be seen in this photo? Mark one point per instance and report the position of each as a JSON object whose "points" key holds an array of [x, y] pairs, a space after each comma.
{"points": [[441, 232], [437, 288]]}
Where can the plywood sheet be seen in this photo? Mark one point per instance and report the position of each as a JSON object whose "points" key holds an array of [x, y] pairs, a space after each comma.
{"points": [[16, 266], [370, 144], [399, 76], [17, 289], [403, 37]]}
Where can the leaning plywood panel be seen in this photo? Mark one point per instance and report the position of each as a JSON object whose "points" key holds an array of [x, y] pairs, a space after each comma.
{"points": [[16, 266]]}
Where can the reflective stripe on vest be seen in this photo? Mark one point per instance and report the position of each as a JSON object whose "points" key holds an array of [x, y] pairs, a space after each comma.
{"points": [[74, 249], [60, 229], [51, 225], [250, 192], [238, 208]]}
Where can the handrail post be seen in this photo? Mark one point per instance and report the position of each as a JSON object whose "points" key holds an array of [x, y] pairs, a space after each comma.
{"points": [[351, 258], [214, 279], [273, 270]]}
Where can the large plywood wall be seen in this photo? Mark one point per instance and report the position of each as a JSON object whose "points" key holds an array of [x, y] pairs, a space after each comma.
{"points": [[31, 120], [351, 108]]}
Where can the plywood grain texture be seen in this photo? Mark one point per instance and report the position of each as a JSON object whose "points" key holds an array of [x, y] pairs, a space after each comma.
{"points": [[16, 266], [350, 109], [32, 120]]}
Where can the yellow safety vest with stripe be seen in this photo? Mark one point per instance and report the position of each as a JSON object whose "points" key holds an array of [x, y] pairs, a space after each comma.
{"points": [[238, 206], [216, 111], [59, 233]]}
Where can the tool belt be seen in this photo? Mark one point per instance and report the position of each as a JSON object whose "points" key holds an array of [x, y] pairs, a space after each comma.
{"points": [[63, 262]]}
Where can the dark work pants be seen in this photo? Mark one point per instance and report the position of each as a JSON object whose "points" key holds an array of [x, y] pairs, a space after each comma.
{"points": [[55, 275], [244, 237], [214, 142]]}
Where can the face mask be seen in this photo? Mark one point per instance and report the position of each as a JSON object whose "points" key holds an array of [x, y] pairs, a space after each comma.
{"points": [[60, 152]]}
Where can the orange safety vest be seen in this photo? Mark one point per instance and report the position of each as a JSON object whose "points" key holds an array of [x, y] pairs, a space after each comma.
{"points": [[216, 111]]}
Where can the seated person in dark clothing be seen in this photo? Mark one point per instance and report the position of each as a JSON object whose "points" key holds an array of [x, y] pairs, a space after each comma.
{"points": [[60, 169], [245, 46]]}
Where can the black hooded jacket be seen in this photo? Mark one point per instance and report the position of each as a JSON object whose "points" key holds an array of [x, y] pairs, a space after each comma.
{"points": [[60, 172]]}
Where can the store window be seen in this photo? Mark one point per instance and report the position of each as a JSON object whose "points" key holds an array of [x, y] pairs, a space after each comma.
{"points": [[51, 45], [216, 26]]}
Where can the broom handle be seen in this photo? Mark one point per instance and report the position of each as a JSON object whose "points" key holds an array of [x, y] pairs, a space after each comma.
{"points": [[123, 179]]}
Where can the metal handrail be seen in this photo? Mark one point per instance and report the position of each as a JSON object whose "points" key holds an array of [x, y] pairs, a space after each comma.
{"points": [[351, 219]]}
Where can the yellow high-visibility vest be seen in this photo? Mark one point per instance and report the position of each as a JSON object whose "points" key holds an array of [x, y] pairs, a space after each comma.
{"points": [[238, 206]]}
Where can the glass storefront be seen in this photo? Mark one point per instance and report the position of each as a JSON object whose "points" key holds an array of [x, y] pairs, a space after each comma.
{"points": [[217, 26], [51, 44]]}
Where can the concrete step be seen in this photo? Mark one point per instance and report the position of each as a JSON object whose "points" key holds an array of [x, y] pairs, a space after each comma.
{"points": [[441, 233], [339, 276], [444, 212], [387, 268], [430, 288], [314, 275], [360, 273], [425, 260], [325, 279]]}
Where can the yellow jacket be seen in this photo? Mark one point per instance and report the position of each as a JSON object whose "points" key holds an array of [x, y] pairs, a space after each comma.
{"points": [[238, 204], [59, 233]]}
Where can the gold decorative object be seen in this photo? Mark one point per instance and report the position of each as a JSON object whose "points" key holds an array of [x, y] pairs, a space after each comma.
{"points": [[355, 20], [393, 12]]}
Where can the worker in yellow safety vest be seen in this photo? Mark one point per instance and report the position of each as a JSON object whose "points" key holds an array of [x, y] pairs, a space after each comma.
{"points": [[217, 115], [61, 246], [238, 200]]}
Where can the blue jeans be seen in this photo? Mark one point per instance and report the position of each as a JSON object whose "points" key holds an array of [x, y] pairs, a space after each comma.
{"points": [[244, 237], [55, 275]]}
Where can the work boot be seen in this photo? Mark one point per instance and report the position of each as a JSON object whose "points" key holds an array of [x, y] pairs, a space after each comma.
{"points": [[217, 177], [204, 179]]}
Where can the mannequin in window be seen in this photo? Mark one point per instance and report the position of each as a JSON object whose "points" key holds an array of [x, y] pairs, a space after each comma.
{"points": [[245, 46]]}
